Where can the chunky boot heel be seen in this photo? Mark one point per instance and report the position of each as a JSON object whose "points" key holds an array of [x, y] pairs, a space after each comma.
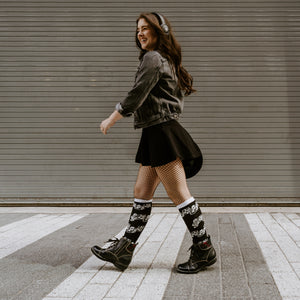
{"points": [[202, 255], [118, 253]]}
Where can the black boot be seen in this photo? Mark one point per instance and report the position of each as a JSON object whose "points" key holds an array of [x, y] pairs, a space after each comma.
{"points": [[202, 255], [119, 252]]}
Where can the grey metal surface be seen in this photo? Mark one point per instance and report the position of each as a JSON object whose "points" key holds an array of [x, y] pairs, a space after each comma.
{"points": [[64, 65]]}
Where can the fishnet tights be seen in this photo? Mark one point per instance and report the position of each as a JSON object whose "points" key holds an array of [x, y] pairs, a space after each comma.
{"points": [[146, 183], [171, 175]]}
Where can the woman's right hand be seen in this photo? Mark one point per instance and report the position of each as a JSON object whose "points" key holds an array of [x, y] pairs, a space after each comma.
{"points": [[110, 121], [106, 124]]}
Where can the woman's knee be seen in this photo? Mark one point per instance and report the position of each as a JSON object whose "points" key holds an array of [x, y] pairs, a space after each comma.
{"points": [[142, 193], [146, 183]]}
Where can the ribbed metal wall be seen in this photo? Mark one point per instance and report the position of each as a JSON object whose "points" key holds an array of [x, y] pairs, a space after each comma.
{"points": [[65, 64]]}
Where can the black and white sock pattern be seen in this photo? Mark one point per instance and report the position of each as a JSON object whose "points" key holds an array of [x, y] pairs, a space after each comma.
{"points": [[139, 217], [192, 216]]}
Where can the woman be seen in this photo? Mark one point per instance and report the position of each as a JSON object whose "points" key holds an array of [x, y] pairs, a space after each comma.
{"points": [[166, 152]]}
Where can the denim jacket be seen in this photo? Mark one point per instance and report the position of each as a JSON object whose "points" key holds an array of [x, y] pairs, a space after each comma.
{"points": [[155, 96]]}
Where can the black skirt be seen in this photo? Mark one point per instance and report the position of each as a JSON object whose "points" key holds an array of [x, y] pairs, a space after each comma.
{"points": [[165, 142]]}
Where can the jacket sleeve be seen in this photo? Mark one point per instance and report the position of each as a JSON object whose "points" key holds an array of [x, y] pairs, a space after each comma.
{"points": [[147, 77]]}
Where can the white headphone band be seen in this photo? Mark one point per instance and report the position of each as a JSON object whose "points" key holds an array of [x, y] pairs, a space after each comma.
{"points": [[162, 22]]}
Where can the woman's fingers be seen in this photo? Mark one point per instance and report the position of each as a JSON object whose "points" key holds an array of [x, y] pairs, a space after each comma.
{"points": [[104, 126]]}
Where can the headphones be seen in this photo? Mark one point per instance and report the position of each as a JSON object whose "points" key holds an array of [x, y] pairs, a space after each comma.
{"points": [[162, 22]]}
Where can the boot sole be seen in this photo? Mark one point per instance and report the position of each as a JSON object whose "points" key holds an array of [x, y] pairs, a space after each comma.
{"points": [[202, 268], [119, 266]]}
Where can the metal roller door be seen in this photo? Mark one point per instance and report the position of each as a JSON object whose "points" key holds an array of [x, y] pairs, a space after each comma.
{"points": [[64, 65]]}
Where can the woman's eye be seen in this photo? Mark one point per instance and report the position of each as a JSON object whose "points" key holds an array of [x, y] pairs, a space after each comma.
{"points": [[140, 30]]}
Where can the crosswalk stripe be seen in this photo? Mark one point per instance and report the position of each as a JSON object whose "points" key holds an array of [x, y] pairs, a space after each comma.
{"points": [[280, 234], [22, 233], [127, 285], [94, 268], [273, 241], [96, 279], [291, 228], [294, 218], [19, 223], [25, 230], [157, 277]]}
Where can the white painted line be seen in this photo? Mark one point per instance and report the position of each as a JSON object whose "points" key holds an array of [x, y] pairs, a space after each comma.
{"points": [[272, 225], [128, 284], [93, 292], [286, 279], [100, 275], [118, 299], [154, 258], [27, 232], [296, 267], [50, 298], [257, 227], [288, 288], [128, 281], [72, 286], [294, 218], [19, 223], [24, 230], [288, 226], [156, 280], [281, 236]]}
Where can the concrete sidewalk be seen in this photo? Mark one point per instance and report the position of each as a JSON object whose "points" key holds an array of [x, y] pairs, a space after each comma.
{"points": [[45, 254]]}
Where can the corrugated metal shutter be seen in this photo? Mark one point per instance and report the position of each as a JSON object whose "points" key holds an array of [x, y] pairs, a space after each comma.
{"points": [[64, 65]]}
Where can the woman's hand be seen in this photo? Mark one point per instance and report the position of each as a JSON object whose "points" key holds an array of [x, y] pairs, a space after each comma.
{"points": [[106, 124], [110, 121]]}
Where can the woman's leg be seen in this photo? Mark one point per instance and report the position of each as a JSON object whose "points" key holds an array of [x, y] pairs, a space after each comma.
{"points": [[120, 252], [172, 175], [146, 184]]}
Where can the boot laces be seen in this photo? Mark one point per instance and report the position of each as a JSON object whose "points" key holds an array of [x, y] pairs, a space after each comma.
{"points": [[112, 243], [192, 249]]}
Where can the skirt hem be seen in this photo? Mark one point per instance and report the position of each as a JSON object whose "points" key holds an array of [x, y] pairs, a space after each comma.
{"points": [[163, 143]]}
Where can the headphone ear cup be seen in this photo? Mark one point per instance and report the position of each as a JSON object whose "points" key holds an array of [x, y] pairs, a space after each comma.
{"points": [[165, 28]]}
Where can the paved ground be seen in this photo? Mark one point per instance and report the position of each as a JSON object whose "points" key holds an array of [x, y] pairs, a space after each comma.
{"points": [[45, 254]]}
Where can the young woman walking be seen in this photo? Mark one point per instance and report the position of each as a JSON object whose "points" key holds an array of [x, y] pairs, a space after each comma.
{"points": [[166, 152]]}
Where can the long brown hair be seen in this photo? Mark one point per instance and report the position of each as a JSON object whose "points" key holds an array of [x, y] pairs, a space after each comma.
{"points": [[169, 48]]}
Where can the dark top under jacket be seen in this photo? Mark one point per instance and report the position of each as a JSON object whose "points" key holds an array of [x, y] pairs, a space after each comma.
{"points": [[155, 96]]}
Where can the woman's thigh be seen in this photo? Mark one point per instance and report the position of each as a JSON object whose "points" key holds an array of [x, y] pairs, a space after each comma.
{"points": [[172, 175], [146, 183]]}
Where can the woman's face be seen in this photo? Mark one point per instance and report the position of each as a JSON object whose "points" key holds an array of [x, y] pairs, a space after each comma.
{"points": [[146, 35]]}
